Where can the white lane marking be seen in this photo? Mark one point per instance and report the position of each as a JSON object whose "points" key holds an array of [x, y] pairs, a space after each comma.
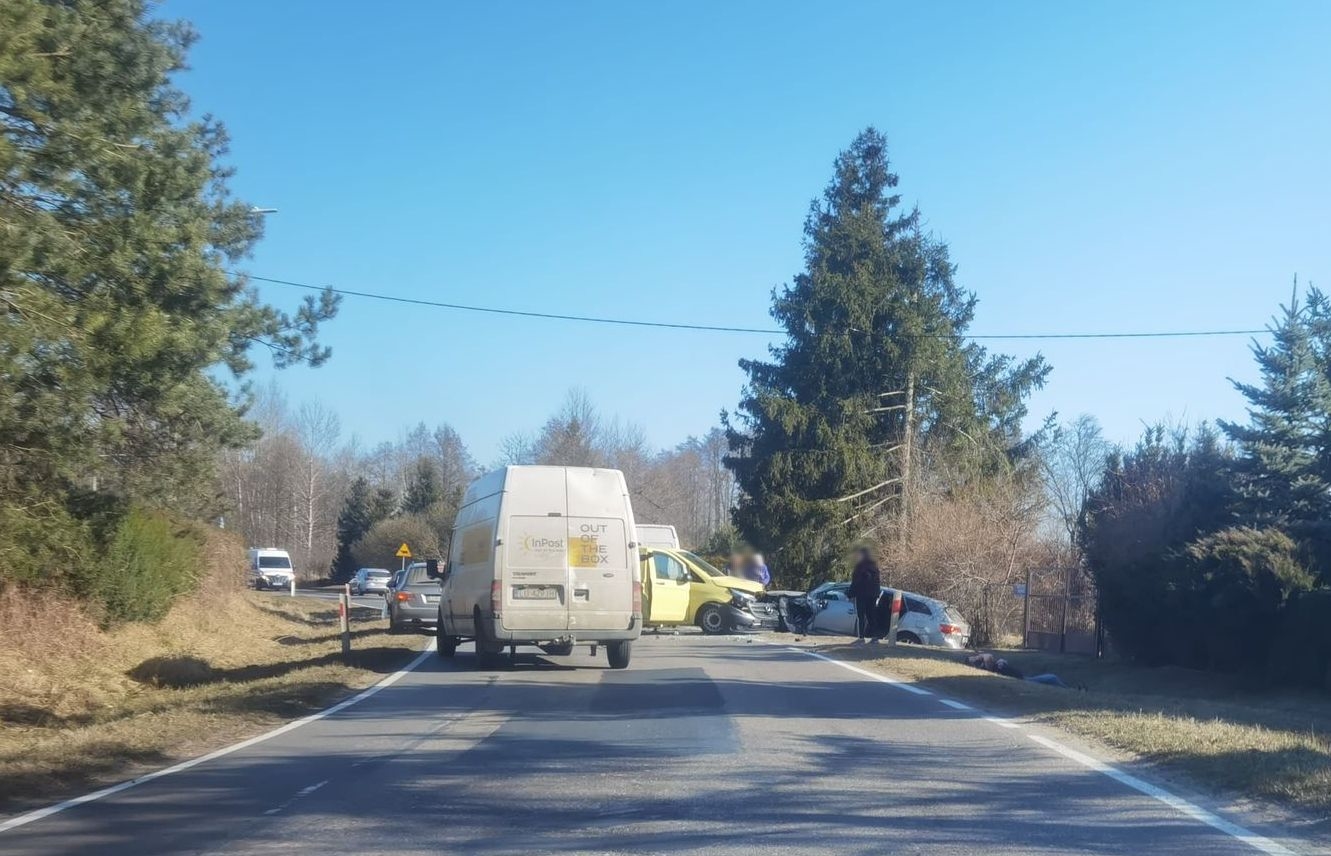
{"points": [[1196, 812], [885, 679], [1247, 836], [303, 792], [40, 813], [955, 705]]}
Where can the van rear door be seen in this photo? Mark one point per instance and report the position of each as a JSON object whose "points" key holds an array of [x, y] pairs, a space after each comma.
{"points": [[534, 575], [601, 570]]}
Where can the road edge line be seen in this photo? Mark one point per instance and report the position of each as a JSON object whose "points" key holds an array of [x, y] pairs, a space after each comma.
{"points": [[1191, 809], [39, 814], [1179, 804]]}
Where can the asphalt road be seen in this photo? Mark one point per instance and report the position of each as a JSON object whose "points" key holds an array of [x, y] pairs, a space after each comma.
{"points": [[702, 746]]}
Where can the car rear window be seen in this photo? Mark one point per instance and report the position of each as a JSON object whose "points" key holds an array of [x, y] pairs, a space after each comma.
{"points": [[275, 562], [379, 575], [953, 615], [417, 575]]}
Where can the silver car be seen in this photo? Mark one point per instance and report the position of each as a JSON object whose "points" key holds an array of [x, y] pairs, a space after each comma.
{"points": [[925, 621], [413, 599], [369, 580]]}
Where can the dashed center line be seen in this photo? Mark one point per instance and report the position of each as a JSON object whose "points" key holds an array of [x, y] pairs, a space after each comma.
{"points": [[300, 794], [955, 705]]}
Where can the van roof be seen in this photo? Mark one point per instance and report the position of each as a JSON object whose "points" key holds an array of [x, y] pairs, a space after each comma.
{"points": [[495, 481]]}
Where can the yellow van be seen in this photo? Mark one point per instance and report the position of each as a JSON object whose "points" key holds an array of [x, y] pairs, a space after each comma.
{"points": [[680, 589]]}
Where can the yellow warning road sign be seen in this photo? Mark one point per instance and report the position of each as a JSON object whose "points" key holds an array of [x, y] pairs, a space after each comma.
{"points": [[403, 552]]}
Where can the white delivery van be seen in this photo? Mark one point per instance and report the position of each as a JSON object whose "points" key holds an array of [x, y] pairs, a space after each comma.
{"points": [[270, 568], [657, 536], [543, 556]]}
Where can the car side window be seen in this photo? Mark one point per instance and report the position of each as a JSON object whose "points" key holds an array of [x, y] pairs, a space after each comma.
{"points": [[913, 605], [669, 569]]}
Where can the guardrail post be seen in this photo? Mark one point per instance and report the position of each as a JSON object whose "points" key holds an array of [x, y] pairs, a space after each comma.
{"points": [[893, 618], [293, 585]]}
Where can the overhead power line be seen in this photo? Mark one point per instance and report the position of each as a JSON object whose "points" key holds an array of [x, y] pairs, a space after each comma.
{"points": [[714, 328]]}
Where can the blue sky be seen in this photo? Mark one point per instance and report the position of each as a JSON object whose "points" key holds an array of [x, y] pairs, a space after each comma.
{"points": [[1094, 167]]}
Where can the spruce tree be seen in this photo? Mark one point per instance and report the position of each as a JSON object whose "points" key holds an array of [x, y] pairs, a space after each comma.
{"points": [[1283, 475], [424, 490], [355, 519], [874, 361]]}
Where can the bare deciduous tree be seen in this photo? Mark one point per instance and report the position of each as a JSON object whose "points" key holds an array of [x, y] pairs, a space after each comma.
{"points": [[1072, 461]]}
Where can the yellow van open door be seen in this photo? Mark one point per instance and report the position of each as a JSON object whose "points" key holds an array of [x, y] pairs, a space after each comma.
{"points": [[665, 582]]}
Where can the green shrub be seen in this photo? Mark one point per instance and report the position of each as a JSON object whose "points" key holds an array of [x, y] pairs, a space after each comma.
{"points": [[42, 544], [377, 548], [1241, 579], [1153, 502], [1301, 651], [149, 561]]}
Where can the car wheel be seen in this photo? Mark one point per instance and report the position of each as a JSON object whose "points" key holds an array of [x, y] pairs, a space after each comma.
{"points": [[907, 638], [619, 653], [712, 620]]}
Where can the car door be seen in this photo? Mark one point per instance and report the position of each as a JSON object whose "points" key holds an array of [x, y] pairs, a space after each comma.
{"points": [[667, 583], [917, 619], [837, 616]]}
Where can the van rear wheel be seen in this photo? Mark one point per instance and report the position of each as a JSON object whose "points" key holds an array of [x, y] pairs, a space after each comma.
{"points": [[489, 654], [446, 645], [619, 653]]}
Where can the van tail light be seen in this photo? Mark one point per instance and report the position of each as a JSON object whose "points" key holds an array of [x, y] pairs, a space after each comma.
{"points": [[949, 629], [637, 598], [496, 597], [403, 597]]}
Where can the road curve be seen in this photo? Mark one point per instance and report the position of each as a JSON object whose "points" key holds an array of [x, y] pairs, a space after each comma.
{"points": [[702, 746]]}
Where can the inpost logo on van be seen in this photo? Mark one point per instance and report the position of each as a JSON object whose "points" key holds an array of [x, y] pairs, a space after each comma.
{"points": [[538, 544]]}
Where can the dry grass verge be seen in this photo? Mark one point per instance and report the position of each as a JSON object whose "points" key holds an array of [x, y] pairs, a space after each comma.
{"points": [[1221, 735], [80, 706]]}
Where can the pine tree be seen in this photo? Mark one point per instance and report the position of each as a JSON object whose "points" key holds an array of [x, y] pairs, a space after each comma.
{"points": [[874, 365], [1283, 476], [118, 232]]}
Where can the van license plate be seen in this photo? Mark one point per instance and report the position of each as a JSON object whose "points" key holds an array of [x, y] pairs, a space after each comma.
{"points": [[535, 593]]}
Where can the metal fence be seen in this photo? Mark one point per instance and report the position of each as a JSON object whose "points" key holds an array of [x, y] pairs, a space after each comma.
{"points": [[1060, 612]]}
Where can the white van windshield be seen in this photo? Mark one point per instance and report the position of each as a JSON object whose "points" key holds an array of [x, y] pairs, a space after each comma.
{"points": [[275, 562]]}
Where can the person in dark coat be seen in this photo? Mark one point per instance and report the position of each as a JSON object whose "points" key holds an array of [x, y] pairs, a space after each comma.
{"points": [[866, 584]]}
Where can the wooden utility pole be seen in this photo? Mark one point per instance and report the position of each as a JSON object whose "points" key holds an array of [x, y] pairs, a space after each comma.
{"points": [[907, 442]]}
